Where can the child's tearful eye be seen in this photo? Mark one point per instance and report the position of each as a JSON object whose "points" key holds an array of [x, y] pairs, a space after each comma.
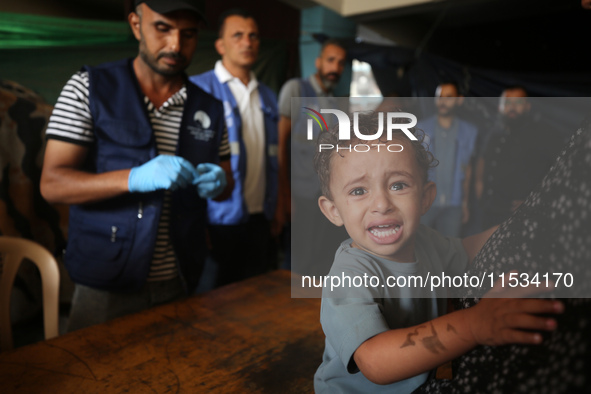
{"points": [[357, 191], [397, 186]]}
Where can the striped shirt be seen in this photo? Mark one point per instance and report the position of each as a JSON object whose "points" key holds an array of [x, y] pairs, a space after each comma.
{"points": [[71, 121]]}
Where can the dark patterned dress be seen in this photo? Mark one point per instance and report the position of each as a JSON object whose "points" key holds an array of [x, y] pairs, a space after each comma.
{"points": [[550, 232]]}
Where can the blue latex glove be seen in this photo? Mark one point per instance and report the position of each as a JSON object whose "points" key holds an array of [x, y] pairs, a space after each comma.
{"points": [[210, 180], [162, 172]]}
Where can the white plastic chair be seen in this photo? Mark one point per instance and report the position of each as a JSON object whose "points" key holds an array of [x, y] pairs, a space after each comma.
{"points": [[13, 251]]}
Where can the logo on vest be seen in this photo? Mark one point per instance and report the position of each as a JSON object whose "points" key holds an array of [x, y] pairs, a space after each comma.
{"points": [[202, 118], [201, 131]]}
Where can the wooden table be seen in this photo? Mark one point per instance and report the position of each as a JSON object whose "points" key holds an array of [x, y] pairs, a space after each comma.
{"points": [[248, 337]]}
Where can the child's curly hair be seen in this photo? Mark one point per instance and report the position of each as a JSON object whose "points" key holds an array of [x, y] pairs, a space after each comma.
{"points": [[368, 125]]}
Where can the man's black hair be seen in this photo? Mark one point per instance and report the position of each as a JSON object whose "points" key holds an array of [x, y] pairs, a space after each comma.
{"points": [[231, 12], [449, 81], [516, 87], [332, 41]]}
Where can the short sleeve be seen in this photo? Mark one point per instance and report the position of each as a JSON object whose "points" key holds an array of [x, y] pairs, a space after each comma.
{"points": [[290, 89], [71, 120], [352, 316], [224, 145], [348, 322], [369, 310]]}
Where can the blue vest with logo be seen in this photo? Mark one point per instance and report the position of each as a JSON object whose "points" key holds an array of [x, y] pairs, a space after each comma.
{"points": [[233, 210], [111, 243]]}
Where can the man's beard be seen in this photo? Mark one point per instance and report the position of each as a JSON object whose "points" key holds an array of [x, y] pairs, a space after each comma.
{"points": [[329, 84], [445, 111], [153, 62], [515, 122]]}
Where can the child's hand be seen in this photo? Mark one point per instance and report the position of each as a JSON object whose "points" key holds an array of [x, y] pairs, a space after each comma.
{"points": [[499, 321]]}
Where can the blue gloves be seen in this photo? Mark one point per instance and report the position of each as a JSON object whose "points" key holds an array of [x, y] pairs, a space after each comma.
{"points": [[210, 180], [162, 172], [167, 172]]}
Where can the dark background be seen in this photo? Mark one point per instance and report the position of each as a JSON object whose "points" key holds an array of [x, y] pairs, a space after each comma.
{"points": [[485, 44]]}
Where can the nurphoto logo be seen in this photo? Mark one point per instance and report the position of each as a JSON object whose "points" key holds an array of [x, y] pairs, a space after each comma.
{"points": [[344, 123]]}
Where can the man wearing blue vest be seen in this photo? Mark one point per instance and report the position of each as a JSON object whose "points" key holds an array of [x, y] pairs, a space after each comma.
{"points": [[452, 141], [314, 238], [132, 147], [240, 227]]}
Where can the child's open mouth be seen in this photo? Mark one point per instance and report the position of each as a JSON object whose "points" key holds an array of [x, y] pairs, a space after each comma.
{"points": [[385, 230]]}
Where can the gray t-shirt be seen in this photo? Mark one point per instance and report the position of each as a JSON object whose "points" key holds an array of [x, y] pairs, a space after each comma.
{"points": [[304, 181], [368, 311], [293, 88]]}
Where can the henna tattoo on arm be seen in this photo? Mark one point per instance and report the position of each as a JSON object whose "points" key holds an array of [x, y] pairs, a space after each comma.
{"points": [[409, 341], [432, 343]]}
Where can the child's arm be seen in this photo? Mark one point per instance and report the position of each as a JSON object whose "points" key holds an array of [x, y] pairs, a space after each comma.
{"points": [[474, 243], [402, 353]]}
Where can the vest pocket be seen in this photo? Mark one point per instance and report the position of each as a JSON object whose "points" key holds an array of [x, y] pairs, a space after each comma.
{"points": [[98, 250]]}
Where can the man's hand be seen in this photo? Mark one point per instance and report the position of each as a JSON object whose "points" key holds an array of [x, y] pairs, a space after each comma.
{"points": [[210, 180], [164, 172]]}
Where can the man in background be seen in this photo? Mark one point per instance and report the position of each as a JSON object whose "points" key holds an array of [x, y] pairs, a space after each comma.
{"points": [[240, 227], [317, 238], [520, 150], [452, 141]]}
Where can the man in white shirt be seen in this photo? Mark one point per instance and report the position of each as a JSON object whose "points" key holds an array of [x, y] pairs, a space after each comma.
{"points": [[240, 226]]}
